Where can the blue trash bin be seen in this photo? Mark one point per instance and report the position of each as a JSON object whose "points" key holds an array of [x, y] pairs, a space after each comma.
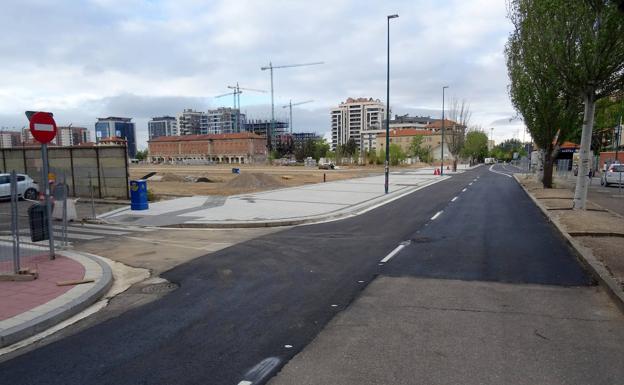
{"points": [[236, 170], [138, 195]]}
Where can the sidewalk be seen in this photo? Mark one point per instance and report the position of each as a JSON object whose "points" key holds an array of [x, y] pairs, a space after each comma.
{"points": [[29, 307], [282, 207]]}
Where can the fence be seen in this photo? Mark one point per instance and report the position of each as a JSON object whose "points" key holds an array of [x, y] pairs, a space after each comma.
{"points": [[24, 231], [103, 167]]}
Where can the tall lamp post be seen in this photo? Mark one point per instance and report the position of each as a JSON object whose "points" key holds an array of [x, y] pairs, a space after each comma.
{"points": [[442, 144], [387, 168]]}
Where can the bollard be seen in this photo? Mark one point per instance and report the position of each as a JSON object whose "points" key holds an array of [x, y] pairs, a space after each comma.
{"points": [[324, 177]]}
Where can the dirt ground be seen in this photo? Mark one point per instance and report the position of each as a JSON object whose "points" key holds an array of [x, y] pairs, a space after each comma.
{"points": [[590, 226], [178, 180]]}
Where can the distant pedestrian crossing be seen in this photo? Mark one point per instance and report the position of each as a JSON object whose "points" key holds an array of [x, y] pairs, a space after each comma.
{"points": [[77, 232]]}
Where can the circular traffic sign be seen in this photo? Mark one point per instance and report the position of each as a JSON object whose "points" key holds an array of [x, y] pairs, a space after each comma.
{"points": [[42, 127]]}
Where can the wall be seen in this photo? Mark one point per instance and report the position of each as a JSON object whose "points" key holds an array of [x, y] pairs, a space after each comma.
{"points": [[107, 167]]}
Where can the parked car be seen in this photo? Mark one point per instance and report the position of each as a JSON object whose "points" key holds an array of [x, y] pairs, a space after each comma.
{"points": [[614, 174], [26, 187], [326, 166]]}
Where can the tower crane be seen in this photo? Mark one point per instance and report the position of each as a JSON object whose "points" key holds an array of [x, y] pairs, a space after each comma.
{"points": [[290, 106], [237, 90], [271, 67]]}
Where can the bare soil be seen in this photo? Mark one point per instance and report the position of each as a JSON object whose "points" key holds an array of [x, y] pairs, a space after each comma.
{"points": [[180, 180], [610, 251]]}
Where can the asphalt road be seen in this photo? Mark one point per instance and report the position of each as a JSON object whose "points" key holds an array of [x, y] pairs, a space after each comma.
{"points": [[269, 297]]}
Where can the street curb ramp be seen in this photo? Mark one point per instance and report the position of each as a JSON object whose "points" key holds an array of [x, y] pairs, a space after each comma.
{"points": [[585, 256], [37, 325]]}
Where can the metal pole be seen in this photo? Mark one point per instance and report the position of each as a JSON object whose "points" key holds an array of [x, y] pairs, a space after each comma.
{"points": [[46, 189], [442, 144], [269, 141], [91, 191], [290, 119], [387, 165], [65, 192], [14, 223], [617, 140]]}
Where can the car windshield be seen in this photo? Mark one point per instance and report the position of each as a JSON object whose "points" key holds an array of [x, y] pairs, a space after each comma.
{"points": [[618, 168]]}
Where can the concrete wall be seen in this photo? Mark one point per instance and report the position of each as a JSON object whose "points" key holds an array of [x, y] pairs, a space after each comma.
{"points": [[105, 166]]}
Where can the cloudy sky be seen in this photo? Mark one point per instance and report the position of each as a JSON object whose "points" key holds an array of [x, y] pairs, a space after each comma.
{"points": [[143, 58]]}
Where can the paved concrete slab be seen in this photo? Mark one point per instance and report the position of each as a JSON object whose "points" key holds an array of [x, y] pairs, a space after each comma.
{"points": [[425, 331], [275, 206]]}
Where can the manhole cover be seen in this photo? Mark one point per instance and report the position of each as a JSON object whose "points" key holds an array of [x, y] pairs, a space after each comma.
{"points": [[160, 288]]}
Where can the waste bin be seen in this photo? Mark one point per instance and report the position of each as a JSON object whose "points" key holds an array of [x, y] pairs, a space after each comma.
{"points": [[236, 170], [38, 222], [138, 195]]}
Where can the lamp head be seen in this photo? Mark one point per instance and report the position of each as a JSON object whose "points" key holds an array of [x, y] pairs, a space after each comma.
{"points": [[393, 16]]}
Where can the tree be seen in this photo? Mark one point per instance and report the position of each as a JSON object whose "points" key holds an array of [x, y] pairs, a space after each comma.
{"points": [[460, 114], [397, 155], [537, 90], [141, 155], [475, 146], [417, 149], [582, 42]]}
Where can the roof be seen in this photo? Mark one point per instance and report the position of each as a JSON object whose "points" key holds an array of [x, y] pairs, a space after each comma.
{"points": [[569, 145], [190, 138], [409, 132], [438, 124]]}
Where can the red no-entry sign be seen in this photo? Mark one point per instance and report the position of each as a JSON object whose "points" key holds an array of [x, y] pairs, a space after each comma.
{"points": [[42, 127]]}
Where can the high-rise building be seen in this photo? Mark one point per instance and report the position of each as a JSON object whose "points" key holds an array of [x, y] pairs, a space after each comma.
{"points": [[225, 120], [191, 122], [300, 138], [124, 128], [10, 139], [353, 118], [71, 136], [162, 126], [261, 127]]}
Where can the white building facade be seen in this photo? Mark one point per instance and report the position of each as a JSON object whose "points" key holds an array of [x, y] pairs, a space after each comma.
{"points": [[354, 118], [191, 122], [225, 121]]}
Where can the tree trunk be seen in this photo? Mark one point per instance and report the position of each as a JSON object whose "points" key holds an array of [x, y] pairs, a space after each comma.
{"points": [[455, 164], [547, 177], [582, 179]]}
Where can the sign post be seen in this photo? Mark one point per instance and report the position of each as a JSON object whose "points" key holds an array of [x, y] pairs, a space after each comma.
{"points": [[43, 129]]}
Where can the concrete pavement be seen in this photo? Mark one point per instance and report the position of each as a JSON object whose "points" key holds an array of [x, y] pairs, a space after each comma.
{"points": [[282, 207]]}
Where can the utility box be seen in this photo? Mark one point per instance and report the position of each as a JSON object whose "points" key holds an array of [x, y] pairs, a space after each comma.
{"points": [[38, 223], [138, 195]]}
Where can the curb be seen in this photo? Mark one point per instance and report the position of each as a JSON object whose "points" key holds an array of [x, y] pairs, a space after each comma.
{"points": [[357, 209], [585, 256], [29, 328]]}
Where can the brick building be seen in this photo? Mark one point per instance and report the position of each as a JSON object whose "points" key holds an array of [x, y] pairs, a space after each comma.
{"points": [[243, 147]]}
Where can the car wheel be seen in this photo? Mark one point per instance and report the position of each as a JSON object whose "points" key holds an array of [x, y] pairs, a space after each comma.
{"points": [[602, 181], [30, 194]]}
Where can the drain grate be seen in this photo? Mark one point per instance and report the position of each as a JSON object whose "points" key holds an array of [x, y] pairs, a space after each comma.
{"points": [[160, 288]]}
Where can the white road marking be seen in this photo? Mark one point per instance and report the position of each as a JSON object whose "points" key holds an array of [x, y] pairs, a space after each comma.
{"points": [[470, 184], [454, 199], [464, 190], [501, 173], [245, 383], [394, 252], [433, 218]]}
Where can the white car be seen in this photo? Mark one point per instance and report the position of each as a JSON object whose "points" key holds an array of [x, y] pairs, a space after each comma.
{"points": [[614, 174], [26, 187]]}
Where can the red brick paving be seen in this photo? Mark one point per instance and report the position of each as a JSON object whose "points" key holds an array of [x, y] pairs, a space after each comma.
{"points": [[18, 297]]}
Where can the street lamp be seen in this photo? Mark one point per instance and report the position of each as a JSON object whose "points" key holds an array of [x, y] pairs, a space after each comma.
{"points": [[387, 168], [442, 144]]}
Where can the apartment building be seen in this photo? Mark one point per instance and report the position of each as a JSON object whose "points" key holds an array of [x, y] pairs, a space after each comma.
{"points": [[225, 120], [354, 118], [191, 122], [71, 136], [10, 139], [162, 126]]}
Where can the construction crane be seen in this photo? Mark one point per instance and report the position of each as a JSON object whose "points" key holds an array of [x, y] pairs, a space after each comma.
{"points": [[234, 93], [271, 67], [237, 91], [290, 106]]}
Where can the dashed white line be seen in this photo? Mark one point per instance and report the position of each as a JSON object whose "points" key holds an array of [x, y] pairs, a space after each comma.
{"points": [[464, 190], [433, 218], [501, 173], [454, 199], [394, 252], [245, 383], [470, 184]]}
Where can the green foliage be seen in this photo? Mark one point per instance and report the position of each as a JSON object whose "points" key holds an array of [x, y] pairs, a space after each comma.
{"points": [[141, 155], [381, 158], [475, 146], [417, 149], [311, 148], [397, 155]]}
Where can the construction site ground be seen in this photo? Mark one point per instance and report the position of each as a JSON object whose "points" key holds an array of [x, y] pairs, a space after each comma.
{"points": [[181, 180]]}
